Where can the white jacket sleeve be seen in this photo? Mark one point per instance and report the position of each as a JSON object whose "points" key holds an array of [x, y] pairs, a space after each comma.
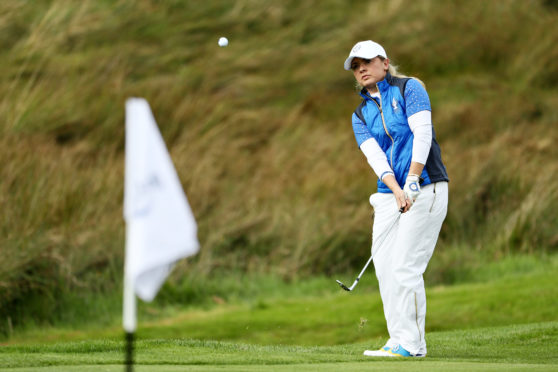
{"points": [[421, 126], [376, 158]]}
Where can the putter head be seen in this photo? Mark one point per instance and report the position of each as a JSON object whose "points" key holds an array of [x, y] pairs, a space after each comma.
{"points": [[343, 286]]}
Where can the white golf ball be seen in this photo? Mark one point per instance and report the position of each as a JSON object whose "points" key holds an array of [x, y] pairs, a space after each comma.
{"points": [[223, 42]]}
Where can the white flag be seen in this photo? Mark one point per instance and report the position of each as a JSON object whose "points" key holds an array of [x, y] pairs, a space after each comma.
{"points": [[161, 228]]}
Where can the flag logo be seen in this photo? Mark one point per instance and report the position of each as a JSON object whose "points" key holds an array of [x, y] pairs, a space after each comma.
{"points": [[144, 195]]}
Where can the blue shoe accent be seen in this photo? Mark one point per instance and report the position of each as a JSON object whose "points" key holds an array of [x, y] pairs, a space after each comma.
{"points": [[399, 351], [385, 348]]}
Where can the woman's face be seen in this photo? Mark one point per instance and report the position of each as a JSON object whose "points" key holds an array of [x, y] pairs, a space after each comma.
{"points": [[369, 71]]}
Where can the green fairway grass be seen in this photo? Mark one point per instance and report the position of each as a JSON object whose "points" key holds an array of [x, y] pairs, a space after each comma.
{"points": [[518, 348], [494, 325], [335, 367], [326, 315]]}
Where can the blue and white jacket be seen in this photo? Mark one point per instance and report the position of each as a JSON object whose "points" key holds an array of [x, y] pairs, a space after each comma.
{"points": [[385, 120]]}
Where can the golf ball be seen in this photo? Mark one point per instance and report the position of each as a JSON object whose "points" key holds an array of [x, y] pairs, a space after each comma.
{"points": [[223, 42]]}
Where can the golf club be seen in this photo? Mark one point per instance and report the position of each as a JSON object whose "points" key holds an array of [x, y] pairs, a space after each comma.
{"points": [[349, 289]]}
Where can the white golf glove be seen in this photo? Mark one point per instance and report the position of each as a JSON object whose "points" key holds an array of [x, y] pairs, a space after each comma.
{"points": [[412, 187]]}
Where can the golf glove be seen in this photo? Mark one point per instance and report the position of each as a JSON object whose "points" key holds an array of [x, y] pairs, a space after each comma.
{"points": [[412, 187]]}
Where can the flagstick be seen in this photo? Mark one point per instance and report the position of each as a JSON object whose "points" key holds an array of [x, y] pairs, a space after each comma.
{"points": [[129, 360], [160, 226], [129, 311]]}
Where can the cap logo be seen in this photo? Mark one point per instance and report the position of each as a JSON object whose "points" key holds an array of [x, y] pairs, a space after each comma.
{"points": [[356, 48]]}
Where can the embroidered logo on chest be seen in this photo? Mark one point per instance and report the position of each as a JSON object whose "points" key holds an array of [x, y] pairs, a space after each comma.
{"points": [[394, 105]]}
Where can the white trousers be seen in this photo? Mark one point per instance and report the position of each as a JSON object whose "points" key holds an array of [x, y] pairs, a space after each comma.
{"points": [[401, 257]]}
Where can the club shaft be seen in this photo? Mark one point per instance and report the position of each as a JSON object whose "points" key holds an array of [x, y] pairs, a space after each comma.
{"points": [[364, 268], [372, 256]]}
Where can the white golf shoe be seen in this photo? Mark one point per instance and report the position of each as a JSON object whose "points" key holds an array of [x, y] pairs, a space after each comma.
{"points": [[383, 352], [397, 351]]}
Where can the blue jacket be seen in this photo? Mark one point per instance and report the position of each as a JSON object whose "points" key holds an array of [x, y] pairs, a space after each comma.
{"points": [[400, 98]]}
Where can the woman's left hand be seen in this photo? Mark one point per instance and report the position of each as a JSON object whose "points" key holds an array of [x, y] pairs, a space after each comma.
{"points": [[412, 187]]}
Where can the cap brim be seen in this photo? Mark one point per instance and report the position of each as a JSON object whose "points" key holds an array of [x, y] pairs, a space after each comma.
{"points": [[348, 62]]}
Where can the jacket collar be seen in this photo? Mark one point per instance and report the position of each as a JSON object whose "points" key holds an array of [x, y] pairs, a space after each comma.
{"points": [[382, 85]]}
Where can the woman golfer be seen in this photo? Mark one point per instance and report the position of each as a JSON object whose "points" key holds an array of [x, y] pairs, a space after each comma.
{"points": [[393, 128]]}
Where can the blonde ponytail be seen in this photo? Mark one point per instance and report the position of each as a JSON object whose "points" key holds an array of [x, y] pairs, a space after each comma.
{"points": [[392, 69]]}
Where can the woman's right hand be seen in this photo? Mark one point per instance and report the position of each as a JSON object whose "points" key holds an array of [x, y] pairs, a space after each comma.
{"points": [[403, 203]]}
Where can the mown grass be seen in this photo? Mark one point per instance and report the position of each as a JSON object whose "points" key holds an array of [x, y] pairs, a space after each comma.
{"points": [[260, 134], [260, 308], [496, 324], [521, 348], [320, 313]]}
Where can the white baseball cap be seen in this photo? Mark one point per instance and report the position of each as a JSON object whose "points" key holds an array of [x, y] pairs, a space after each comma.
{"points": [[365, 49]]}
